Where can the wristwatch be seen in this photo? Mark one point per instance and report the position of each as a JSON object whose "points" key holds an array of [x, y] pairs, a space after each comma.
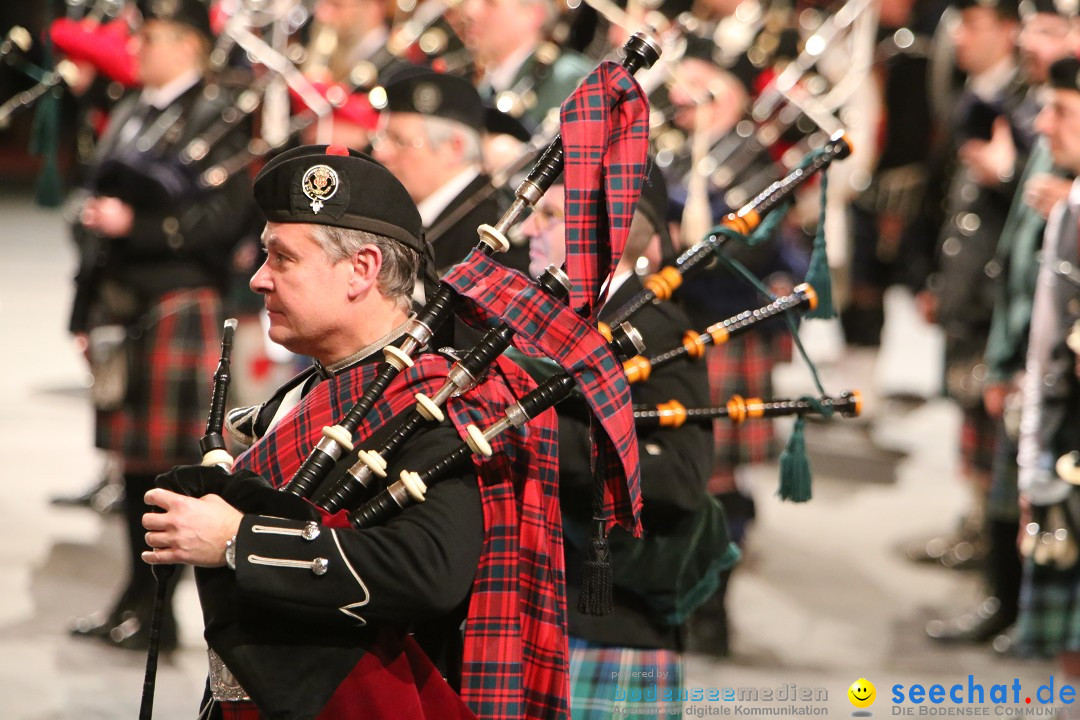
{"points": [[230, 552]]}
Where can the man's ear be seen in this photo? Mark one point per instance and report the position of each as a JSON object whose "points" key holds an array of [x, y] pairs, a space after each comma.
{"points": [[365, 266]]}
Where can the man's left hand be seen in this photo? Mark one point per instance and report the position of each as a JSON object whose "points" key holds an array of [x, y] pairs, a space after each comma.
{"points": [[108, 216], [192, 531], [991, 162]]}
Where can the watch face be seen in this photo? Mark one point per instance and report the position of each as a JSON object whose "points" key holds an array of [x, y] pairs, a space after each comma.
{"points": [[230, 553]]}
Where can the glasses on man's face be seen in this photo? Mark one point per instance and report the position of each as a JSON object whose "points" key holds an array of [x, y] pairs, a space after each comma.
{"points": [[545, 216], [396, 141]]}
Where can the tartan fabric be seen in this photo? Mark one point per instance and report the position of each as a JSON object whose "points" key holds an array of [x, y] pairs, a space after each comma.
{"points": [[514, 662], [543, 326], [743, 366], [605, 138], [1049, 620], [602, 684], [978, 440], [174, 351]]}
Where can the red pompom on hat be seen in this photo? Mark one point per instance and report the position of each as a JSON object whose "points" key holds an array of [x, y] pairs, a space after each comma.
{"points": [[105, 47], [219, 17]]}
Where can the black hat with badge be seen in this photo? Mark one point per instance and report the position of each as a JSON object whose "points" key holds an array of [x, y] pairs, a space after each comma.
{"points": [[191, 13], [1065, 74], [1064, 8], [336, 186], [1007, 9], [436, 95]]}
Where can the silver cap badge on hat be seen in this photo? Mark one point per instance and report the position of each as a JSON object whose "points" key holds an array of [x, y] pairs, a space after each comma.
{"points": [[426, 98], [320, 183]]}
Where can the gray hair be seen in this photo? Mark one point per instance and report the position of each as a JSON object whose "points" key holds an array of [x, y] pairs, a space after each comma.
{"points": [[439, 131], [400, 264]]}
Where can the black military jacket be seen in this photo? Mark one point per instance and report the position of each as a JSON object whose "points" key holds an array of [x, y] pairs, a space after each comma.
{"points": [[453, 233], [306, 599], [675, 466], [966, 275]]}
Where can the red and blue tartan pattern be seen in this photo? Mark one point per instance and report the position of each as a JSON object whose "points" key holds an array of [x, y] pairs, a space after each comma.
{"points": [[171, 371], [605, 138], [546, 327], [515, 656]]}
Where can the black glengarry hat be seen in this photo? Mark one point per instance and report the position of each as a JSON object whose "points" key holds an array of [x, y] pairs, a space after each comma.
{"points": [[436, 95], [336, 186], [333, 185], [1065, 74], [1004, 8], [191, 13]]}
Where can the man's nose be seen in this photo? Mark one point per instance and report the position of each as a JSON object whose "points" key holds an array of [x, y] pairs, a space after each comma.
{"points": [[260, 281]]}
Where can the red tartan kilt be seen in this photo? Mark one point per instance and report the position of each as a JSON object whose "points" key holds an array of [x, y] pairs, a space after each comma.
{"points": [[744, 367], [174, 350]]}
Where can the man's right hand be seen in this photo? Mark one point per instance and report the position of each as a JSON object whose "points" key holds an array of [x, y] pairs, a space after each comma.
{"points": [[1043, 191]]}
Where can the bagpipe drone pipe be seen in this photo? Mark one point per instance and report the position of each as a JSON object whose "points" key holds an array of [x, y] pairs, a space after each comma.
{"points": [[738, 410], [639, 368], [662, 284]]}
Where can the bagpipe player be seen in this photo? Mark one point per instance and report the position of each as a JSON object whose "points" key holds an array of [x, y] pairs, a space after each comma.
{"points": [[153, 269], [307, 616]]}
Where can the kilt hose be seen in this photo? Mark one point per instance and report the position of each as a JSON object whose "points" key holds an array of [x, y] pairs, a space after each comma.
{"points": [[173, 350], [743, 366], [603, 684]]}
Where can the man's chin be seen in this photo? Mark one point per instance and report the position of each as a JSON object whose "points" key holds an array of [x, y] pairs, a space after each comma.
{"points": [[282, 337]]}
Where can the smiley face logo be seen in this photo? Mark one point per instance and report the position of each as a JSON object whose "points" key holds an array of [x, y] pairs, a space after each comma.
{"points": [[862, 693]]}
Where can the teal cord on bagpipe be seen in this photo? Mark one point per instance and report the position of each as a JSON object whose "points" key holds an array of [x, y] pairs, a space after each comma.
{"points": [[817, 275], [795, 474]]}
